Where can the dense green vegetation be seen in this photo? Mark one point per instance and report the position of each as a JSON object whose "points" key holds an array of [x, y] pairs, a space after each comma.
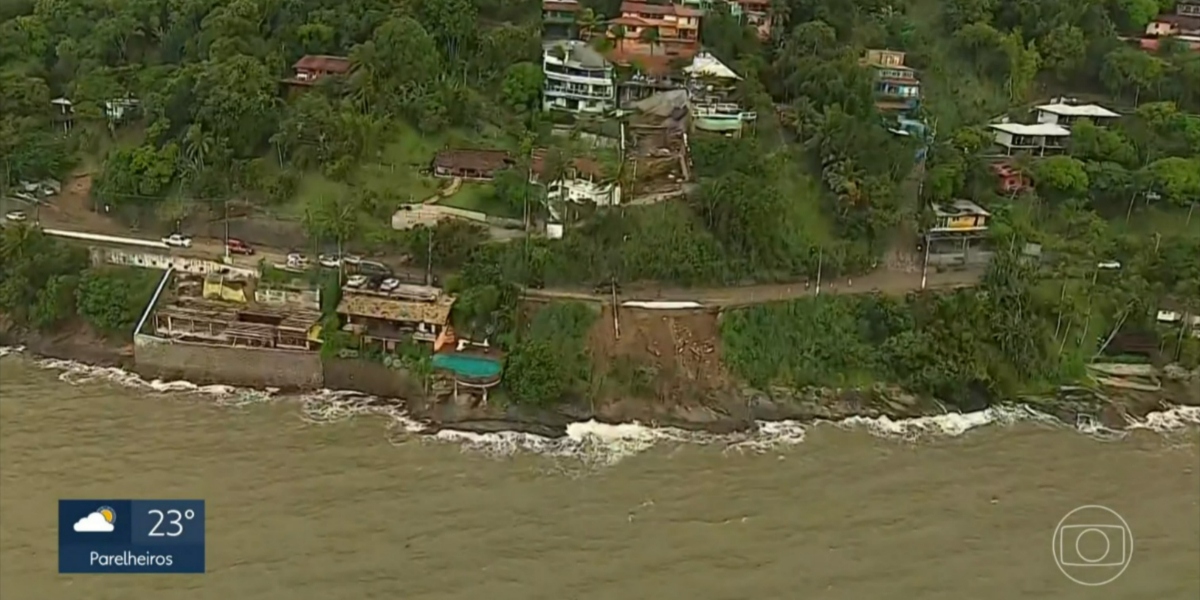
{"points": [[44, 283], [820, 183]]}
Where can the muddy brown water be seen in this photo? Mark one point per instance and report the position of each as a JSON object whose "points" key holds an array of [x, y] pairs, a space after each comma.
{"points": [[297, 511]]}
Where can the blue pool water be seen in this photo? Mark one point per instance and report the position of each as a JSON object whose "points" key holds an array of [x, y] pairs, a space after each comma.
{"points": [[465, 365]]}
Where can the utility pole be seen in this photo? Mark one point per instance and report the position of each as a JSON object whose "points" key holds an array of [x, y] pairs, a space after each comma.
{"points": [[925, 264], [820, 263], [226, 230], [429, 258]]}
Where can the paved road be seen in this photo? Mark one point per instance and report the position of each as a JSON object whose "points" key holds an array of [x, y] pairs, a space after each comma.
{"points": [[880, 281], [883, 281]]}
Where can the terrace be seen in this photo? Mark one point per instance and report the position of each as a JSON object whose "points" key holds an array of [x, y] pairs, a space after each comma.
{"points": [[214, 311]]}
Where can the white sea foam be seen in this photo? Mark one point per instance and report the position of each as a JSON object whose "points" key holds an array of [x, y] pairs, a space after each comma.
{"points": [[600, 444]]}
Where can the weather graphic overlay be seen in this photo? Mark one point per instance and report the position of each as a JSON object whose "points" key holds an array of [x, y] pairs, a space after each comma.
{"points": [[131, 536]]}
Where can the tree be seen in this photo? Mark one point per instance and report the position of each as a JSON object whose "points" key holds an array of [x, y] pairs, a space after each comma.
{"points": [[588, 21], [1177, 179], [523, 86], [534, 375], [112, 299], [649, 36], [1126, 68], [331, 218], [138, 176], [1061, 176], [1063, 50]]}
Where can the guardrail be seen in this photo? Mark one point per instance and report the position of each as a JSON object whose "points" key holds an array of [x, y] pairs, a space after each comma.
{"points": [[108, 239]]}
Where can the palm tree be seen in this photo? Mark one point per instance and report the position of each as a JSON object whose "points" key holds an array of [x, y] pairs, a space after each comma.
{"points": [[650, 37], [618, 33], [587, 21], [365, 80]]}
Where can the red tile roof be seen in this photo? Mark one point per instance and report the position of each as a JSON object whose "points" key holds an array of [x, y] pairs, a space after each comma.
{"points": [[631, 22], [324, 63], [476, 160], [657, 65], [659, 9]]}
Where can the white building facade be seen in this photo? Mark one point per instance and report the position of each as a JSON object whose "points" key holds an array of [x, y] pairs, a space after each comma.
{"points": [[576, 79]]}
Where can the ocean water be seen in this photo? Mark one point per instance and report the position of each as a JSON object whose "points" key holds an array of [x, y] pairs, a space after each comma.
{"points": [[334, 495]]}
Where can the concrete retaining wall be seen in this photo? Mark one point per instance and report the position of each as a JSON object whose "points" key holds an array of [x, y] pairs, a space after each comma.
{"points": [[160, 358], [371, 378]]}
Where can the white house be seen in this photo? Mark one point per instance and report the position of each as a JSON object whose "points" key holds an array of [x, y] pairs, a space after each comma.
{"points": [[1066, 114], [576, 79], [1040, 138], [584, 191]]}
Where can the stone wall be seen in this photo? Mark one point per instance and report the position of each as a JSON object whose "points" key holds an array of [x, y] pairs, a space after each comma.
{"points": [[159, 358], [371, 378]]}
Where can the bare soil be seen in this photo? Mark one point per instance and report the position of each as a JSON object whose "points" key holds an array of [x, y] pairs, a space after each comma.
{"points": [[679, 350]]}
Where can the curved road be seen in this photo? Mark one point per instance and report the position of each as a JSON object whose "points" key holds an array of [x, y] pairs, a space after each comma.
{"points": [[881, 281]]}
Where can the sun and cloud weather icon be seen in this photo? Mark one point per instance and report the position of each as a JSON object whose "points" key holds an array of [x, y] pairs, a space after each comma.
{"points": [[98, 521]]}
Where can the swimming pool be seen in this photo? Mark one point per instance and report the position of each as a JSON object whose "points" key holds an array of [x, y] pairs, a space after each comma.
{"points": [[467, 365]]}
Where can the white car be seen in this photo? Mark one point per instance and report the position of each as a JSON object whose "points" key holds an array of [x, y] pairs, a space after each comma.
{"points": [[356, 281], [178, 240], [16, 216], [296, 260], [389, 284], [329, 261]]}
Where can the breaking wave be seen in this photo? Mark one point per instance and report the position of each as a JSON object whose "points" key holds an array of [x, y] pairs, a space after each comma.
{"points": [[600, 444]]}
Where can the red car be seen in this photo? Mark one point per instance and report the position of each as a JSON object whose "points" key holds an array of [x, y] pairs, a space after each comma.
{"points": [[239, 247]]}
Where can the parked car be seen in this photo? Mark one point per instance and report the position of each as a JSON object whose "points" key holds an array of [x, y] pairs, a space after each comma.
{"points": [[178, 240], [16, 216], [295, 260], [356, 281], [25, 196], [389, 284], [329, 261], [236, 246]]}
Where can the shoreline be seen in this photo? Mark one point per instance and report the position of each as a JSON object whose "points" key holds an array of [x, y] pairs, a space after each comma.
{"points": [[743, 411]]}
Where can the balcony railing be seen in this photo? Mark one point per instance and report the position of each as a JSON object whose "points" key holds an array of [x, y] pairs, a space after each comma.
{"points": [[596, 93]]}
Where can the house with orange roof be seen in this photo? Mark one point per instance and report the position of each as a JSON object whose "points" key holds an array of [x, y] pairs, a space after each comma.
{"points": [[654, 29]]}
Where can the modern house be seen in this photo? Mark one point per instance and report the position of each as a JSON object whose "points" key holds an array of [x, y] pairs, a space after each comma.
{"points": [[313, 68], [559, 19], [676, 29], [388, 319], [1066, 114], [959, 216], [576, 79], [896, 87], [585, 183], [711, 87], [479, 165], [1040, 139]]}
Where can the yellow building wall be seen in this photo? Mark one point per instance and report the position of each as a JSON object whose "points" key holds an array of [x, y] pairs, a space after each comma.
{"points": [[218, 290]]}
